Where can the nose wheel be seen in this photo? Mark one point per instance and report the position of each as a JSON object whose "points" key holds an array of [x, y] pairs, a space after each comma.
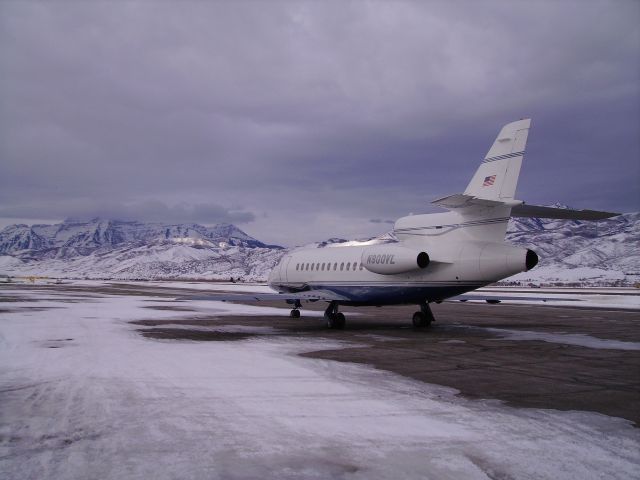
{"points": [[333, 318], [295, 312], [424, 317]]}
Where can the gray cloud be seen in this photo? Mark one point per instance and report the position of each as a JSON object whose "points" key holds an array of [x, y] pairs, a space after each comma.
{"points": [[320, 114], [378, 220], [150, 210]]}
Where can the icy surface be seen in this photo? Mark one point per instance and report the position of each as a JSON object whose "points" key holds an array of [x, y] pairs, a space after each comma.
{"points": [[585, 297], [578, 339], [84, 395]]}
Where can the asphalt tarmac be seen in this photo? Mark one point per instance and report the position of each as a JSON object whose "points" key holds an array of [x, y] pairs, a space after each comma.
{"points": [[527, 356]]}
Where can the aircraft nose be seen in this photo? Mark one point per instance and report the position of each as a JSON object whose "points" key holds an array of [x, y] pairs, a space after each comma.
{"points": [[273, 275]]}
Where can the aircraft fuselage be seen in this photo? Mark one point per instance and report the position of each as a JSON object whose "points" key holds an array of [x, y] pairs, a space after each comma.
{"points": [[346, 271]]}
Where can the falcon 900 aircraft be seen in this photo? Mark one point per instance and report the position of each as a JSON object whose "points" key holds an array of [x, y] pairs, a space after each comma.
{"points": [[438, 256]]}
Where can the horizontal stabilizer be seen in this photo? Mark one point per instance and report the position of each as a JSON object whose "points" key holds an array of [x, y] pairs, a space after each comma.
{"points": [[559, 213], [310, 296]]}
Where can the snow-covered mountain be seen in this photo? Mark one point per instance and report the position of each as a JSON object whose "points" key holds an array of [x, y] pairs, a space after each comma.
{"points": [[605, 252], [115, 249], [72, 237]]}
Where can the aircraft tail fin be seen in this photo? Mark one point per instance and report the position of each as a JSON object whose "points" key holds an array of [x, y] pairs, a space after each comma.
{"points": [[497, 177], [483, 211]]}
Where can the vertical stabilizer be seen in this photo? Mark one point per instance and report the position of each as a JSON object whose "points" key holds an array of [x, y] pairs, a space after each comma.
{"points": [[497, 176]]}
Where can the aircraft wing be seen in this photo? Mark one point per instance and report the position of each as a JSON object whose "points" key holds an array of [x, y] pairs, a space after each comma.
{"points": [[499, 297], [309, 296]]}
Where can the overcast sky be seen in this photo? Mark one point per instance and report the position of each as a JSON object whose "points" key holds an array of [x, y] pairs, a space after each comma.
{"points": [[299, 121]]}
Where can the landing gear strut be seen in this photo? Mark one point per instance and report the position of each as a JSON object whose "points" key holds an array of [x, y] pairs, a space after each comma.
{"points": [[424, 317], [295, 313], [334, 318]]}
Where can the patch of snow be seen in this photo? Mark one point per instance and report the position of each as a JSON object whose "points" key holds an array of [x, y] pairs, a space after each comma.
{"points": [[9, 261], [564, 298], [580, 340]]}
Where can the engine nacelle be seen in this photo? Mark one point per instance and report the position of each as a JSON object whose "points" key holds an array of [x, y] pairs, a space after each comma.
{"points": [[494, 261], [393, 259]]}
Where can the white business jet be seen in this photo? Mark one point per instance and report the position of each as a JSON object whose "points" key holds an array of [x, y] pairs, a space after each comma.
{"points": [[436, 256]]}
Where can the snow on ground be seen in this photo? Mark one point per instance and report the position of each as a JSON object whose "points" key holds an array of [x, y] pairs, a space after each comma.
{"points": [[84, 395], [215, 286], [567, 298], [578, 339], [225, 308]]}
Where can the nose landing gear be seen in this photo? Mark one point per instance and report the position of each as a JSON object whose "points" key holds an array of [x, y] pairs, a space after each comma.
{"points": [[295, 313]]}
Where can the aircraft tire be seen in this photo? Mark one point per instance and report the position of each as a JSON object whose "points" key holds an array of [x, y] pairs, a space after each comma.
{"points": [[420, 320], [335, 321], [329, 319], [295, 313]]}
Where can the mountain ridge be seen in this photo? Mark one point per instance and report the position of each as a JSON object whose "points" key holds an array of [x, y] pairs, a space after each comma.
{"points": [[72, 237], [570, 251]]}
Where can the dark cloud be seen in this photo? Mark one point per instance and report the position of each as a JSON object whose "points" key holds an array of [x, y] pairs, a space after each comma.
{"points": [[320, 115]]}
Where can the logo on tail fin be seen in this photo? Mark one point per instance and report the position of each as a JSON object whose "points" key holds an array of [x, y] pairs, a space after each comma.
{"points": [[488, 181]]}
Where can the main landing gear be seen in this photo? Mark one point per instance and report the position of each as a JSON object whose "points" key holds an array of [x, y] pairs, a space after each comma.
{"points": [[334, 318], [424, 317]]}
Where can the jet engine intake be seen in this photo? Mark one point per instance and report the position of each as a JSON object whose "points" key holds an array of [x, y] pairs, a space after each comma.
{"points": [[391, 259], [531, 260]]}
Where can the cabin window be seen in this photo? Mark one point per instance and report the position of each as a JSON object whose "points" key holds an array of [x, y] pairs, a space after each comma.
{"points": [[349, 266], [342, 266], [322, 267], [318, 266], [354, 266], [335, 266], [306, 266], [360, 267]]}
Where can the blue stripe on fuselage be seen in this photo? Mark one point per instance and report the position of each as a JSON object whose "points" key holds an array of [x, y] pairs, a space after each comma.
{"points": [[394, 294]]}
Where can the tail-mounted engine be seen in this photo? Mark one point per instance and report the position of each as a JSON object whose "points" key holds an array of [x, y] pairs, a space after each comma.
{"points": [[392, 259]]}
